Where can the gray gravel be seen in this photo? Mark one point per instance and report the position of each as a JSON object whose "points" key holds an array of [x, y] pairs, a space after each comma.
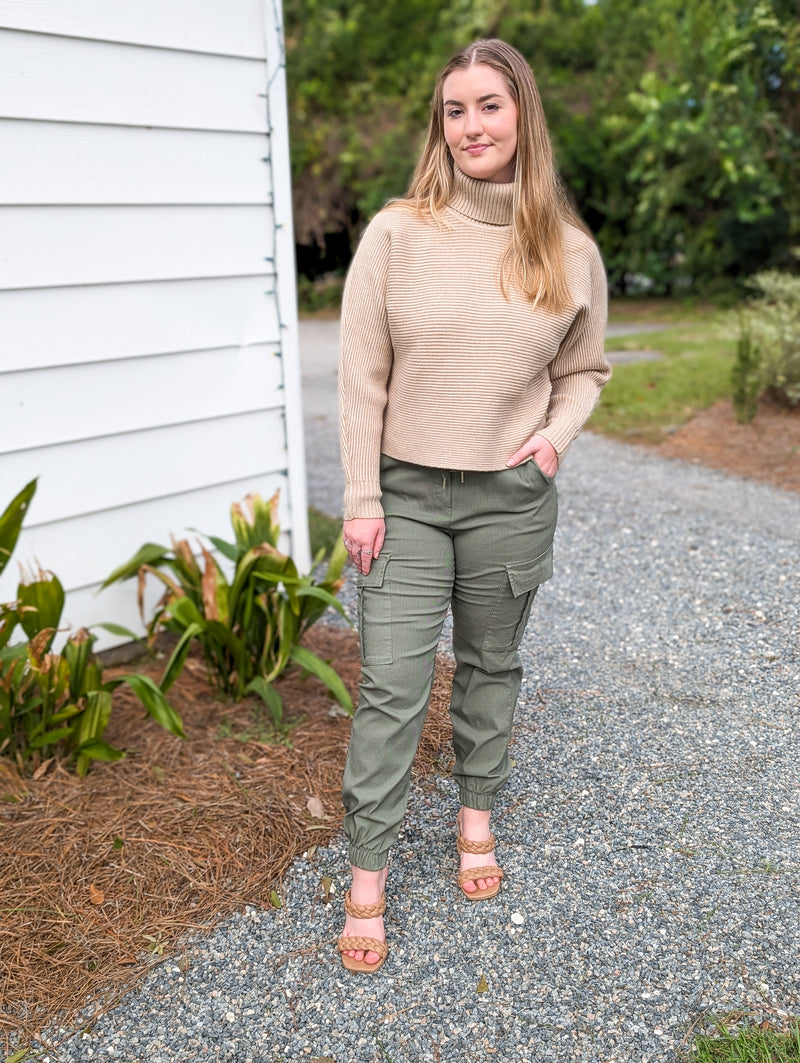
{"points": [[650, 832]]}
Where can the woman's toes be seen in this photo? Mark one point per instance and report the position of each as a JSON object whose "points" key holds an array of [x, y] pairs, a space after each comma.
{"points": [[359, 955]]}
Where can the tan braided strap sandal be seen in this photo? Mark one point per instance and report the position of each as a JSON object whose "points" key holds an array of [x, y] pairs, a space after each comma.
{"points": [[472, 874], [361, 944]]}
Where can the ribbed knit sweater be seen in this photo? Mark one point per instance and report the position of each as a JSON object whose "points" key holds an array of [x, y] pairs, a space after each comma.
{"points": [[438, 367]]}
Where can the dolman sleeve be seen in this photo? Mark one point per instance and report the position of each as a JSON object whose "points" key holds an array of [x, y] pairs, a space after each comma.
{"points": [[580, 370], [365, 364]]}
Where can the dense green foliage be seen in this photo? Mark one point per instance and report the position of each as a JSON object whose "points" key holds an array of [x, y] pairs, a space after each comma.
{"points": [[675, 123], [768, 353], [56, 703], [249, 626]]}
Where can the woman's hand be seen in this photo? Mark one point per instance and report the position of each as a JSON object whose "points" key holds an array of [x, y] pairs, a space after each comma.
{"points": [[363, 537], [541, 450]]}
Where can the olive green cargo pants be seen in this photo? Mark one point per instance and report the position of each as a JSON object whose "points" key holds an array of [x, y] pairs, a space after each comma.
{"points": [[479, 543]]}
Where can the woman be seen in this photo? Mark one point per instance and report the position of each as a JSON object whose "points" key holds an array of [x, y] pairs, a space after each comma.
{"points": [[472, 354]]}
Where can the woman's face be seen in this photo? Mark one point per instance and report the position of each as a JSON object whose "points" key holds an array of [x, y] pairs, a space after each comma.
{"points": [[480, 123]]}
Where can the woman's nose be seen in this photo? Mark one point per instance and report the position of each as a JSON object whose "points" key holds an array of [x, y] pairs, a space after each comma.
{"points": [[474, 124]]}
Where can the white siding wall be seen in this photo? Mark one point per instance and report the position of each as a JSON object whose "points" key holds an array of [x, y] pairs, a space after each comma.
{"points": [[149, 367]]}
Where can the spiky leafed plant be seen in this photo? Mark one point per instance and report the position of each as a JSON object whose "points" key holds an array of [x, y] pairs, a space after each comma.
{"points": [[249, 626], [55, 703]]}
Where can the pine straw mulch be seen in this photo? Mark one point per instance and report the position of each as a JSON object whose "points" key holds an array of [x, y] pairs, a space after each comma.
{"points": [[767, 449], [102, 876]]}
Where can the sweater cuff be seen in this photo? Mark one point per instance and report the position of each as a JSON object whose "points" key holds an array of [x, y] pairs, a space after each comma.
{"points": [[559, 440], [362, 499]]}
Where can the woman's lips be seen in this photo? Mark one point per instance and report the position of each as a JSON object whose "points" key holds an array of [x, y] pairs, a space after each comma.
{"points": [[477, 149]]}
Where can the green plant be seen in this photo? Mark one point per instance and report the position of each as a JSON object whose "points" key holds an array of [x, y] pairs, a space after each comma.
{"points": [[749, 1043], [249, 628], [771, 323], [55, 702], [746, 379], [323, 531], [319, 295], [11, 522]]}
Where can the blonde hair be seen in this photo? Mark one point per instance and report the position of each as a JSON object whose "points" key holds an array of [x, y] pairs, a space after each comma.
{"points": [[534, 260]]}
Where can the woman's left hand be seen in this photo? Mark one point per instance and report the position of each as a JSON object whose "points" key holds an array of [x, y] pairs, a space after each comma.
{"points": [[541, 450]]}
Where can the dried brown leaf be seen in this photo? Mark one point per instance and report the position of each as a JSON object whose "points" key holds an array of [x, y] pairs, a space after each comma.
{"points": [[209, 588], [41, 771]]}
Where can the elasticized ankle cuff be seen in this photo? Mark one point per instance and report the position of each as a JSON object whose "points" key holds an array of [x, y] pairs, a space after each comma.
{"points": [[473, 799], [368, 859]]}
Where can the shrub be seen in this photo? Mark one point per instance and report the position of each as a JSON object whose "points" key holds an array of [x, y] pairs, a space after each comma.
{"points": [[746, 378], [249, 628], [768, 354], [56, 703]]}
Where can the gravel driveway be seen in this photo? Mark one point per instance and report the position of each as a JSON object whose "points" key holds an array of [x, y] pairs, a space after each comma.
{"points": [[650, 832]]}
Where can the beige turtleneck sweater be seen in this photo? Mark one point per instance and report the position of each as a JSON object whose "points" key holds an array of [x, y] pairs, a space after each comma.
{"points": [[438, 367]]}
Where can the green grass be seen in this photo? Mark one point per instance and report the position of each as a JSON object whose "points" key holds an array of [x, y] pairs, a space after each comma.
{"points": [[323, 531], [659, 311], [644, 401], [748, 1044]]}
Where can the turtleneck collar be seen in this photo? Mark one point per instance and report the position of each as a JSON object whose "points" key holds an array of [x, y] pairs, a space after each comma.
{"points": [[483, 201]]}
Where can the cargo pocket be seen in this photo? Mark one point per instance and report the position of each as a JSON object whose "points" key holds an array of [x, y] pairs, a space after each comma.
{"points": [[375, 613], [524, 578]]}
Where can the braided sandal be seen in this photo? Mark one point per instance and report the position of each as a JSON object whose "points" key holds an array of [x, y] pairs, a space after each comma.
{"points": [[359, 944], [472, 874]]}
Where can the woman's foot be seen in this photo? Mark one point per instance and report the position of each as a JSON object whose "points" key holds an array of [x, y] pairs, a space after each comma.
{"points": [[473, 826], [367, 889]]}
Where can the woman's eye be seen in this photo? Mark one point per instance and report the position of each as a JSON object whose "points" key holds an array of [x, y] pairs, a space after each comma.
{"points": [[492, 107], [454, 113]]}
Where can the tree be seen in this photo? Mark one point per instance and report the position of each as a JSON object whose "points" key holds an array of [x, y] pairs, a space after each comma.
{"points": [[702, 151], [675, 122]]}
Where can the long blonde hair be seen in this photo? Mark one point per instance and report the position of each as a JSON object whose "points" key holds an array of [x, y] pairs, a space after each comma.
{"points": [[534, 260]]}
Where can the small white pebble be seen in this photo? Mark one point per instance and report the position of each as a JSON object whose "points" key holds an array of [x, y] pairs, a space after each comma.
{"points": [[517, 918], [230, 1016]]}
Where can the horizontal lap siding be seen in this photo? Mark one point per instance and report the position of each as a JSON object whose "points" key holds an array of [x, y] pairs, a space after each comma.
{"points": [[223, 383], [124, 469], [65, 80], [63, 326], [148, 366], [193, 25], [55, 163], [47, 246]]}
